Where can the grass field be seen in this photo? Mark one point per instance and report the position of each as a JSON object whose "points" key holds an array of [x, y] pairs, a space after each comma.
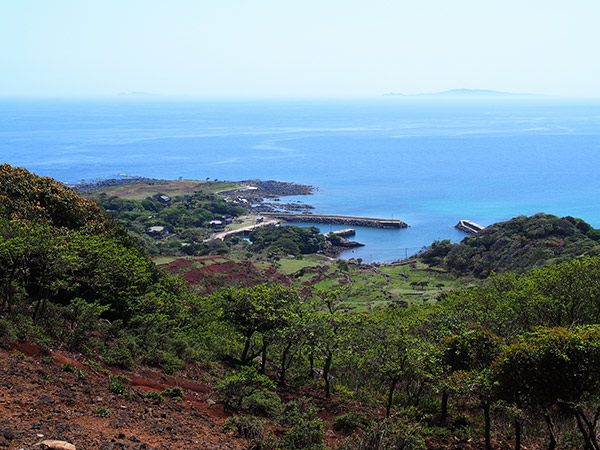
{"points": [[174, 188], [287, 266]]}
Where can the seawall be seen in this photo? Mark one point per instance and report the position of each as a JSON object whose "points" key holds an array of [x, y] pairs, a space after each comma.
{"points": [[370, 222]]}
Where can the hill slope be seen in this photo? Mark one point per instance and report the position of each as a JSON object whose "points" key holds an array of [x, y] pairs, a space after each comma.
{"points": [[517, 245]]}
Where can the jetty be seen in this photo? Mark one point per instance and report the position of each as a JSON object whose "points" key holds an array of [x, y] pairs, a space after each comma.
{"points": [[370, 222], [469, 227], [344, 233]]}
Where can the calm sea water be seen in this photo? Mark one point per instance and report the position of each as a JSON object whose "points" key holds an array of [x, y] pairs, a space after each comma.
{"points": [[427, 162]]}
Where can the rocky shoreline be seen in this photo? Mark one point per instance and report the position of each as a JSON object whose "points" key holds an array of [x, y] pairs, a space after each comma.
{"points": [[253, 196]]}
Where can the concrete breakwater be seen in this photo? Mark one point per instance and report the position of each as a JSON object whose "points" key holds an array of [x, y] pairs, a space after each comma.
{"points": [[370, 222], [469, 227]]}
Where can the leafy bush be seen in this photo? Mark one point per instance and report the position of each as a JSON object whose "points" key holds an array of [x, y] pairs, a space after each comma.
{"points": [[305, 429], [102, 411], [67, 367], [93, 365], [306, 434], [156, 396], [176, 393], [294, 411], [6, 332], [288, 239], [119, 385], [241, 383], [391, 434], [120, 353], [350, 421], [263, 403], [251, 428]]}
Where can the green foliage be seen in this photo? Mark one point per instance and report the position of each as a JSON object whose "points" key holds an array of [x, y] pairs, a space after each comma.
{"points": [[437, 252], [102, 411], [185, 217], [473, 349], [297, 410], [392, 434], [250, 428], [306, 434], [287, 239], [262, 403], [155, 396], [260, 309], [67, 367], [519, 244], [121, 353], [93, 365], [560, 295], [239, 384], [6, 332], [350, 421], [550, 365], [175, 393], [119, 385]]}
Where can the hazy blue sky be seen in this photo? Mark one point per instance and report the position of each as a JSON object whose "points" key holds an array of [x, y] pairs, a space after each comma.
{"points": [[298, 48]]}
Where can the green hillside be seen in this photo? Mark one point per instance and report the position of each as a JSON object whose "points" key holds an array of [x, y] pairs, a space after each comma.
{"points": [[517, 245], [514, 358]]}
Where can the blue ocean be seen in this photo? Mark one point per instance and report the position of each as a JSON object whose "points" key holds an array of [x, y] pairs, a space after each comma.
{"points": [[428, 162]]}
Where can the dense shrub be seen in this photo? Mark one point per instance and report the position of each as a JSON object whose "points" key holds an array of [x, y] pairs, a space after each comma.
{"points": [[391, 434], [237, 385], [350, 421], [262, 403], [251, 428]]}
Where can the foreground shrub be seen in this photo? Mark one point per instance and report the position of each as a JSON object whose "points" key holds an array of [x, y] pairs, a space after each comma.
{"points": [[350, 421], [176, 393], [295, 411], [390, 434], [306, 434], [251, 428], [6, 332], [119, 385], [263, 403], [241, 383], [120, 353], [155, 396], [304, 429]]}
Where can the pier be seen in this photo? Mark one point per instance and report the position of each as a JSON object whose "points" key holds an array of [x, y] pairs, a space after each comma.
{"points": [[468, 227], [370, 222], [344, 233]]}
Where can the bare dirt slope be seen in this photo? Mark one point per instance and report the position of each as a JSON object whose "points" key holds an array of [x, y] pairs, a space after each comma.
{"points": [[39, 400]]}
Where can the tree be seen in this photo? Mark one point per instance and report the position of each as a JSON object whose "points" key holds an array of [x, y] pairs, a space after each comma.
{"points": [[555, 366], [468, 356], [257, 310], [327, 325], [390, 351]]}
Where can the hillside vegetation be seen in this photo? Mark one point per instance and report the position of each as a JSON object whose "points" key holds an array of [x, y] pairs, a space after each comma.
{"points": [[513, 360], [517, 245]]}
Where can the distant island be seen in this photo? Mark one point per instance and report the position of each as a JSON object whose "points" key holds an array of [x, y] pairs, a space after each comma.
{"points": [[465, 93]]}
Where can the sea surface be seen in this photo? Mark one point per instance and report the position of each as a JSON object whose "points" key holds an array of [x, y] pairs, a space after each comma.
{"points": [[428, 162]]}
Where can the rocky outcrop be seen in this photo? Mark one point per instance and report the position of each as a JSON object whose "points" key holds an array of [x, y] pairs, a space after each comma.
{"points": [[58, 445]]}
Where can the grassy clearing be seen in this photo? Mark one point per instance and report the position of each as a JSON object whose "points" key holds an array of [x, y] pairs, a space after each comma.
{"points": [[174, 188], [288, 266], [163, 260]]}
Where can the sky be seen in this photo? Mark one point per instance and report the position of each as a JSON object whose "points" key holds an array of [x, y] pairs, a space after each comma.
{"points": [[299, 48]]}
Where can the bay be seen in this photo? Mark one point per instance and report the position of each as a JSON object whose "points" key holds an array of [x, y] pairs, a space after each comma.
{"points": [[427, 162]]}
